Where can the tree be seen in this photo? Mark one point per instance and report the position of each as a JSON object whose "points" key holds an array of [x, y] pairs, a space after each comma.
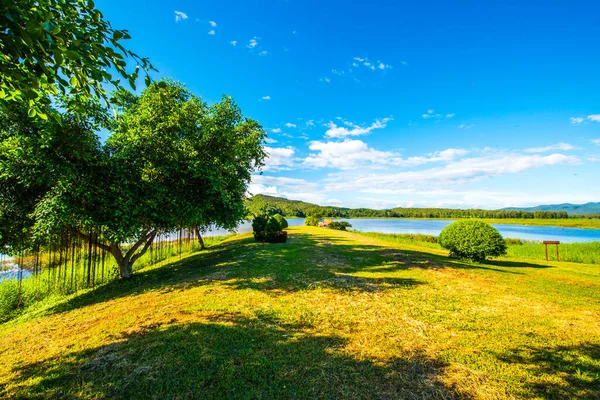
{"points": [[312, 220], [170, 162], [474, 240], [52, 47]]}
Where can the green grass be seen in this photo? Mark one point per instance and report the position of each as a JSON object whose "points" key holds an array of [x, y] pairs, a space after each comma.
{"points": [[587, 253], [329, 314], [53, 284]]}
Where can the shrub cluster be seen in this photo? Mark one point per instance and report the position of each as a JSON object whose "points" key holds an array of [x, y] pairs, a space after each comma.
{"points": [[312, 220], [473, 240], [282, 221], [340, 226], [268, 229]]}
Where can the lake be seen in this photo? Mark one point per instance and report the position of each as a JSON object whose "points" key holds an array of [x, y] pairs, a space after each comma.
{"points": [[434, 227]]}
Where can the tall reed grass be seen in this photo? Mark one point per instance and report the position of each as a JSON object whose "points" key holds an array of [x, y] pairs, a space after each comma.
{"points": [[52, 274]]}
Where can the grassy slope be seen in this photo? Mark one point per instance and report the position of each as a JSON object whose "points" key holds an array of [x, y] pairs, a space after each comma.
{"points": [[327, 315]]}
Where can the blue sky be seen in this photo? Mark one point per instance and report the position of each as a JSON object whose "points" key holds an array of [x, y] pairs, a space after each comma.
{"points": [[383, 104]]}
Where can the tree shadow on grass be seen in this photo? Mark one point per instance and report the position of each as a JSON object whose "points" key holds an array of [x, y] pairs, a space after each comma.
{"points": [[228, 357], [560, 372], [305, 262]]}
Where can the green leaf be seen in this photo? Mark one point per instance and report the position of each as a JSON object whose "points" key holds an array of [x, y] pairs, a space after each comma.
{"points": [[31, 113], [72, 54]]}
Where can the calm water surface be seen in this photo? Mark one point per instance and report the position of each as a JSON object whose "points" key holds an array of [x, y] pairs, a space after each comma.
{"points": [[434, 227]]}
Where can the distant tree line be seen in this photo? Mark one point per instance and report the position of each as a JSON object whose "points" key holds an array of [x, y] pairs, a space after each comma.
{"points": [[295, 208]]}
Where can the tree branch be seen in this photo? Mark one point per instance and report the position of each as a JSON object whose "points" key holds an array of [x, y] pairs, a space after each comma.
{"points": [[137, 245], [103, 246], [146, 247]]}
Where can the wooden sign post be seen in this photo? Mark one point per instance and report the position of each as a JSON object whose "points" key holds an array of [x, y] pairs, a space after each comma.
{"points": [[546, 243]]}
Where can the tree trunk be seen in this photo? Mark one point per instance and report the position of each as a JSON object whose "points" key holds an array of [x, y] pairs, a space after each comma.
{"points": [[126, 261], [200, 240], [125, 268]]}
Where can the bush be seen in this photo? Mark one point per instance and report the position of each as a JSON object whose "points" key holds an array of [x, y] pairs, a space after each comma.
{"points": [[268, 229], [312, 220], [474, 240], [282, 221], [340, 226]]}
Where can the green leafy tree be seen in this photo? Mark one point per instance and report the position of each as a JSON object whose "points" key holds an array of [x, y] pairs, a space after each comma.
{"points": [[474, 240], [170, 162], [66, 47], [312, 220]]}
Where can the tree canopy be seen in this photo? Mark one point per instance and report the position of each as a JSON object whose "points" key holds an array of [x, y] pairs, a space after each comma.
{"points": [[171, 161], [61, 47]]}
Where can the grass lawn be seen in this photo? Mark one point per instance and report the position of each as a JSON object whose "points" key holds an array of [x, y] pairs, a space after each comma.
{"points": [[327, 315]]}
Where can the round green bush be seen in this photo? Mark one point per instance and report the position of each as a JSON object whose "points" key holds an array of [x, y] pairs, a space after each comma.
{"points": [[282, 221], [268, 229], [474, 240]]}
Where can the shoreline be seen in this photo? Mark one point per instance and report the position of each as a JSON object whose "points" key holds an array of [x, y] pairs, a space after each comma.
{"points": [[582, 223]]}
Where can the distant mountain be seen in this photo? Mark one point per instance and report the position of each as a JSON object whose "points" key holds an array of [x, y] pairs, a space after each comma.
{"points": [[572, 209]]}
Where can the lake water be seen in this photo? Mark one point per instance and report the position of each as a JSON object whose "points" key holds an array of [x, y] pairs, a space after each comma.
{"points": [[434, 227]]}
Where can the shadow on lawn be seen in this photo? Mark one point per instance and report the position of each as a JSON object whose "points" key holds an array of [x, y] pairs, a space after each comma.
{"points": [[561, 372], [227, 357], [305, 262]]}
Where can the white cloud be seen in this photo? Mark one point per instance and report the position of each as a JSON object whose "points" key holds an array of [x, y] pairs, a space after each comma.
{"points": [[233, 42], [558, 146], [212, 32], [325, 79], [576, 120], [454, 173], [266, 98], [310, 122], [213, 24], [465, 126], [437, 156], [270, 141], [348, 154], [450, 115], [252, 43], [596, 141], [180, 16], [336, 131], [276, 130], [298, 189], [263, 53], [290, 125], [594, 117], [278, 159]]}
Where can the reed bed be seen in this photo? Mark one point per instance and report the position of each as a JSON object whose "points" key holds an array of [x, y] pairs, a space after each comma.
{"points": [[68, 266]]}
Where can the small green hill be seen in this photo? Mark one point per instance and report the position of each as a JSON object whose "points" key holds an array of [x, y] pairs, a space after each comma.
{"points": [[296, 208]]}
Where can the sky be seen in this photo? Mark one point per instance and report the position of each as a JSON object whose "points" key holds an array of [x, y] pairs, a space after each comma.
{"points": [[383, 104]]}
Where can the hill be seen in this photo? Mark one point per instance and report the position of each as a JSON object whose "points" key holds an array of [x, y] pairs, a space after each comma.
{"points": [[296, 208], [571, 209], [328, 315]]}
